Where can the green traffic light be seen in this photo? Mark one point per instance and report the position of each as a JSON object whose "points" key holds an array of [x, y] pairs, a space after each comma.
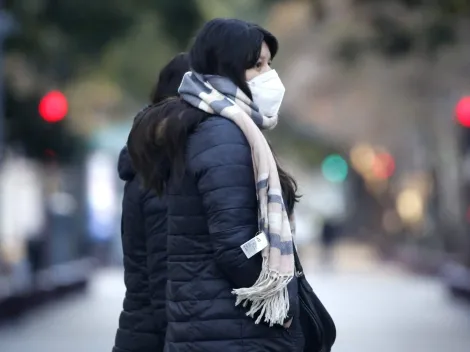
{"points": [[334, 168]]}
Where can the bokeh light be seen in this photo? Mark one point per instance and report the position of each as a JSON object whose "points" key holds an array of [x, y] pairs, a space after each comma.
{"points": [[383, 166], [462, 111], [362, 158], [334, 168], [53, 107], [410, 206]]}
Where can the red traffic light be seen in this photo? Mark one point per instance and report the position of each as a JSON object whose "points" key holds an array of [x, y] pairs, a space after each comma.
{"points": [[53, 107], [462, 112]]}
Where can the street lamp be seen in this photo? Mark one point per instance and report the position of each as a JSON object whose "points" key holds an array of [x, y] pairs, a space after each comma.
{"points": [[7, 26]]}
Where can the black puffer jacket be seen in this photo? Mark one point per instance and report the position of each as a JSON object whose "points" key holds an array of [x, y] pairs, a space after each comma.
{"points": [[212, 210], [142, 323]]}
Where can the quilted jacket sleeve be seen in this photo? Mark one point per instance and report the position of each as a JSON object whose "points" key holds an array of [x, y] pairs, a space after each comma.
{"points": [[137, 324], [155, 213], [220, 157]]}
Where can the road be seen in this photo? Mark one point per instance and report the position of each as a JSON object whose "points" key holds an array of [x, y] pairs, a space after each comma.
{"points": [[376, 309]]}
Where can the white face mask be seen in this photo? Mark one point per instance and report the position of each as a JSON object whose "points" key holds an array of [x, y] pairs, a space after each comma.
{"points": [[268, 92]]}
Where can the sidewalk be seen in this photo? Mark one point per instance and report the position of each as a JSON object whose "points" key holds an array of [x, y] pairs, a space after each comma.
{"points": [[373, 311]]}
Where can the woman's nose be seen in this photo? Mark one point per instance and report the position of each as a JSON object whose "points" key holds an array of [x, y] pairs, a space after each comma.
{"points": [[267, 68]]}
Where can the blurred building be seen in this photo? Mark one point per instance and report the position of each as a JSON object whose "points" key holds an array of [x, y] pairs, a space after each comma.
{"points": [[377, 109]]}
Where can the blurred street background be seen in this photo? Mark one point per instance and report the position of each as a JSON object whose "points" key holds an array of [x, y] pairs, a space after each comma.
{"points": [[375, 126]]}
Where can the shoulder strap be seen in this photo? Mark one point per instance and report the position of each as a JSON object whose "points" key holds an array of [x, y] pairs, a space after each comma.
{"points": [[298, 266]]}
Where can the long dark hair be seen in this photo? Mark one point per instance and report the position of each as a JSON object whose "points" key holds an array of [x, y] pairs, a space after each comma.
{"points": [[157, 144]]}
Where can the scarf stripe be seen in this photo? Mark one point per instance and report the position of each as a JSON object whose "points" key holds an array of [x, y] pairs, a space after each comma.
{"points": [[268, 297]]}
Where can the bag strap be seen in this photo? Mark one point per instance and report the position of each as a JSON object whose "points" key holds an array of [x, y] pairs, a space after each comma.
{"points": [[298, 266]]}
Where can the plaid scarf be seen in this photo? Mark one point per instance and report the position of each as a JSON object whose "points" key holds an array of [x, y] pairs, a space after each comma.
{"points": [[218, 95]]}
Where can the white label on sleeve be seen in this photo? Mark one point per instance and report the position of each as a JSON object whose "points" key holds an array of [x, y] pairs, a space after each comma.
{"points": [[255, 245]]}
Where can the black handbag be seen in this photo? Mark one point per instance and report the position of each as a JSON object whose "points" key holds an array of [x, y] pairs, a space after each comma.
{"points": [[317, 325]]}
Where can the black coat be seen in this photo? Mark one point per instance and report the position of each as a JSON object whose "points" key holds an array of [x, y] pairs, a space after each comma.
{"points": [[142, 323], [212, 211]]}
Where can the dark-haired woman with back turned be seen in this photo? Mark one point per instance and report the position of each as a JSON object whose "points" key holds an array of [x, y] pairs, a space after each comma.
{"points": [[231, 282], [142, 324]]}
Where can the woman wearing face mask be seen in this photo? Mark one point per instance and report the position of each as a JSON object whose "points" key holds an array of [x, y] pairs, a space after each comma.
{"points": [[142, 323], [231, 283]]}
